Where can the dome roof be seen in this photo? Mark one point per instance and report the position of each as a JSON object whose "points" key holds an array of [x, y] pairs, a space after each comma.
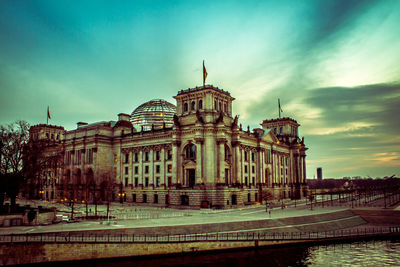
{"points": [[156, 113]]}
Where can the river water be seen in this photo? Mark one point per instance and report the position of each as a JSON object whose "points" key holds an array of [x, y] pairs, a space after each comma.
{"points": [[369, 253]]}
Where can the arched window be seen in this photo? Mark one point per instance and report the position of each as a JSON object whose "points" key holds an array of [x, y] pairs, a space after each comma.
{"points": [[90, 177], [185, 107], [67, 176], [193, 105], [78, 180], [200, 104], [190, 152]]}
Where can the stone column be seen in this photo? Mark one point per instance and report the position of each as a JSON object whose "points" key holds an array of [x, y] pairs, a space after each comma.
{"points": [[237, 164], [163, 166], [141, 181], [175, 156], [304, 170], [261, 169], [151, 167], [199, 160], [210, 155], [221, 160]]}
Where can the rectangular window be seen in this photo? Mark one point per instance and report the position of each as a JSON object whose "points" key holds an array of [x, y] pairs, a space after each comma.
{"points": [[146, 156], [136, 169], [268, 156], [157, 168], [157, 155], [133, 197], [169, 168], [144, 198], [253, 157], [136, 181], [126, 157], [157, 181], [253, 169], [126, 181], [89, 156], [245, 169], [169, 154], [126, 170], [146, 169], [136, 157], [146, 181], [155, 198], [245, 156], [169, 180]]}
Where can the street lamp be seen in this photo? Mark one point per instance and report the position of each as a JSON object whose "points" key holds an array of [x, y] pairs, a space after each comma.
{"points": [[121, 197]]}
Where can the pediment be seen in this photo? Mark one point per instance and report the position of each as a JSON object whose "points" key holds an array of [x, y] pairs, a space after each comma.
{"points": [[269, 136], [190, 164]]}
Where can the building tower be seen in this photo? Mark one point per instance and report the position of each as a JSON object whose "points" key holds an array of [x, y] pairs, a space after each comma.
{"points": [[319, 174]]}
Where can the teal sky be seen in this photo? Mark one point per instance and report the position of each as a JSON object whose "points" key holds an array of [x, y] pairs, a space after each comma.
{"points": [[334, 65]]}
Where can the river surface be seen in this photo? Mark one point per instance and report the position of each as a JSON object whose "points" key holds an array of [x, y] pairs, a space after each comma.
{"points": [[369, 253]]}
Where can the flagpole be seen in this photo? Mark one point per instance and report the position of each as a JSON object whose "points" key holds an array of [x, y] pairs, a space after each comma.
{"points": [[204, 79], [47, 115], [279, 107]]}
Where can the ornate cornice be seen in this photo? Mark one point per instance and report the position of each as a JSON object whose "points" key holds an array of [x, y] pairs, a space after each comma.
{"points": [[156, 147]]}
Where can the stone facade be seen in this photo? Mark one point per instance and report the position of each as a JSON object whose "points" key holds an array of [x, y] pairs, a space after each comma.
{"points": [[204, 160]]}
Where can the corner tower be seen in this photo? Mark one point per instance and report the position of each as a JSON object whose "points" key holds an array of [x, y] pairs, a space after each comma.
{"points": [[205, 99]]}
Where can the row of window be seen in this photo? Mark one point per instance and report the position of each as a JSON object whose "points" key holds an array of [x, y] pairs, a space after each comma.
{"points": [[185, 199], [146, 156], [146, 181], [147, 168], [220, 106], [75, 157], [192, 105]]}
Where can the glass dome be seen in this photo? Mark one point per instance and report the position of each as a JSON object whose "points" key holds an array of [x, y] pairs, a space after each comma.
{"points": [[156, 113]]}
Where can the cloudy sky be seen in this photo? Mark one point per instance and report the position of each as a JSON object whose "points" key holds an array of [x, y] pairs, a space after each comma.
{"points": [[335, 65]]}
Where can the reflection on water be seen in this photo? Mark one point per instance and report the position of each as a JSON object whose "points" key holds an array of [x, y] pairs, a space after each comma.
{"points": [[371, 253], [379, 253]]}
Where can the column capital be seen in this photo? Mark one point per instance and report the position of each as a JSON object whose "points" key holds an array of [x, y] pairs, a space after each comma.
{"points": [[235, 143], [221, 141], [176, 143], [199, 140]]}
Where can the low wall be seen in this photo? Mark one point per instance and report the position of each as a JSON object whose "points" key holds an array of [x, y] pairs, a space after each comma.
{"points": [[24, 253], [35, 253], [22, 219]]}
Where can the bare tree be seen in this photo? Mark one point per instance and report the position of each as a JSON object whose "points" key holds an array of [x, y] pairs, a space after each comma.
{"points": [[13, 138]]}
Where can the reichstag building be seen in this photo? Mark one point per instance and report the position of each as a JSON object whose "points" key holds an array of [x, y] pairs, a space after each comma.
{"points": [[194, 155]]}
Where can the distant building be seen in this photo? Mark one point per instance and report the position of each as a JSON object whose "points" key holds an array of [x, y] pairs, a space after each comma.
{"points": [[319, 174], [193, 154]]}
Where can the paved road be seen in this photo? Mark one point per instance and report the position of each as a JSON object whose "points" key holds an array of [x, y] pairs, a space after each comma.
{"points": [[190, 218], [138, 217]]}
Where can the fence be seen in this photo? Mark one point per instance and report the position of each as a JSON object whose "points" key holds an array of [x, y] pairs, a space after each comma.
{"points": [[231, 236]]}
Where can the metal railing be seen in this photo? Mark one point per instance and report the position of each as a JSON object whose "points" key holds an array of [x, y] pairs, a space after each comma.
{"points": [[85, 237]]}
